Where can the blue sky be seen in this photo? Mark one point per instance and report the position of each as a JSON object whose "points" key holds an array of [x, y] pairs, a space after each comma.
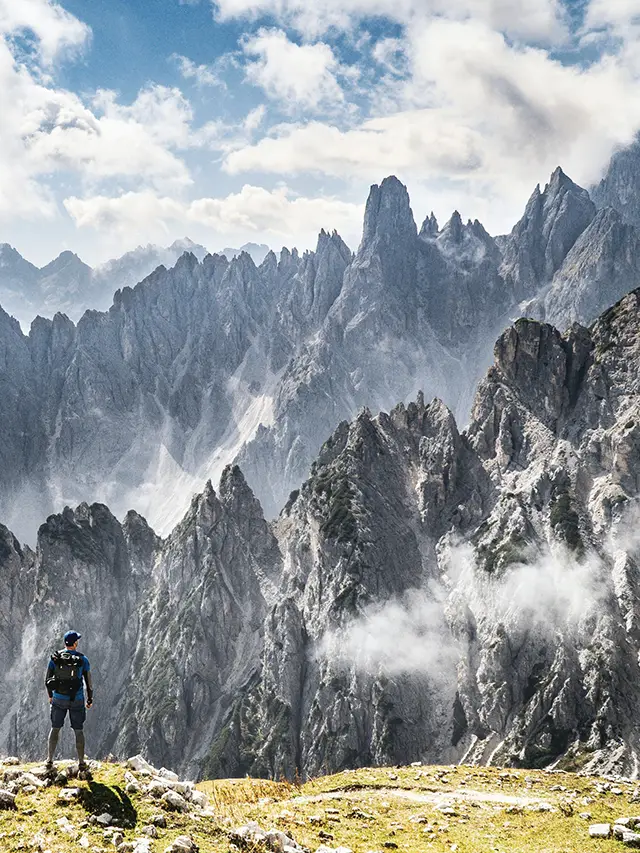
{"points": [[135, 121]]}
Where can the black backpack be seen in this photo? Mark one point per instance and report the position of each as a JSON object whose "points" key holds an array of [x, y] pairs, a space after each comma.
{"points": [[67, 673]]}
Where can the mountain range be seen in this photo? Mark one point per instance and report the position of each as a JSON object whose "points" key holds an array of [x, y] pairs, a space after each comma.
{"points": [[455, 573], [213, 361], [69, 286], [427, 594]]}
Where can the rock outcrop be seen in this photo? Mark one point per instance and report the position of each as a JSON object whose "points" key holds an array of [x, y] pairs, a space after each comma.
{"points": [[553, 220], [620, 185]]}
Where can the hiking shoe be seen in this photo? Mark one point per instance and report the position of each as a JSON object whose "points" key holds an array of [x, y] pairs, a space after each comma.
{"points": [[83, 771]]}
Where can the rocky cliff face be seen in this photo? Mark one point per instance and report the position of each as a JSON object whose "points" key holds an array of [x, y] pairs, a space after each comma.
{"points": [[451, 596], [213, 361], [553, 220], [427, 594], [620, 185]]}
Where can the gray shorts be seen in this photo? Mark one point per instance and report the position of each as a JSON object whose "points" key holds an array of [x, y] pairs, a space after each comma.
{"points": [[76, 709]]}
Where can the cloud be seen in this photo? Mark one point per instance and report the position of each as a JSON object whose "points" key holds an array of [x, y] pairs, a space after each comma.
{"points": [[47, 131], [145, 215], [203, 75], [129, 142], [475, 108], [219, 135], [537, 19], [417, 633], [55, 30], [552, 589], [163, 112], [405, 635], [297, 76], [407, 141], [615, 13], [390, 53]]}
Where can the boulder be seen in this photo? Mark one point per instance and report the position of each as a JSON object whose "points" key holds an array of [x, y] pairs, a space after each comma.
{"points": [[199, 798], [155, 789], [68, 795], [168, 774], [182, 844], [277, 840], [174, 801], [600, 830], [140, 765], [30, 779]]}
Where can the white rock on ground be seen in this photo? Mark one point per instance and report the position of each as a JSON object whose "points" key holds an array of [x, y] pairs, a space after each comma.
{"points": [[199, 798], [175, 801], [600, 830], [68, 794], [140, 764], [182, 844], [168, 774], [630, 838]]}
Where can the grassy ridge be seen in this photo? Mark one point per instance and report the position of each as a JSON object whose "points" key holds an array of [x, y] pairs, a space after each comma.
{"points": [[457, 809]]}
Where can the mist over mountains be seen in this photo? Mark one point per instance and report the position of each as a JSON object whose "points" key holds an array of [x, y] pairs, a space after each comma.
{"points": [[69, 286]]}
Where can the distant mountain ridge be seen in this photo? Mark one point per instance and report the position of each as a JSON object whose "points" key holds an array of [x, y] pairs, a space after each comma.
{"points": [[70, 286]]}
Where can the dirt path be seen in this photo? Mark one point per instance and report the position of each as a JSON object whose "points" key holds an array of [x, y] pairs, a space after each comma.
{"points": [[440, 798]]}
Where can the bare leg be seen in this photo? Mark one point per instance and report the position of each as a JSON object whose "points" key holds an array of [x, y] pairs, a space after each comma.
{"points": [[80, 745], [54, 734]]}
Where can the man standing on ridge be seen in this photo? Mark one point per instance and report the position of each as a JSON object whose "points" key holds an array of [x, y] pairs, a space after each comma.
{"points": [[65, 673]]}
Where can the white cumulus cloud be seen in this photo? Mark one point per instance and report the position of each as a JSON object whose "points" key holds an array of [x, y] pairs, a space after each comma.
{"points": [[146, 215], [203, 74], [54, 29], [48, 131], [538, 19], [297, 76], [475, 108]]}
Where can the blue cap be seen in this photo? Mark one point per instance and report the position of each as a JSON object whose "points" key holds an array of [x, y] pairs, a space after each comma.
{"points": [[71, 637]]}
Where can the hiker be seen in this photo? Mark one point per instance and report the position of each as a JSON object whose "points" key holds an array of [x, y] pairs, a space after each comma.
{"points": [[65, 673]]}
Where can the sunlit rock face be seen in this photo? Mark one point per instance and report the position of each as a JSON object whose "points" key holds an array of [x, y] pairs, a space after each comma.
{"points": [[428, 593]]}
